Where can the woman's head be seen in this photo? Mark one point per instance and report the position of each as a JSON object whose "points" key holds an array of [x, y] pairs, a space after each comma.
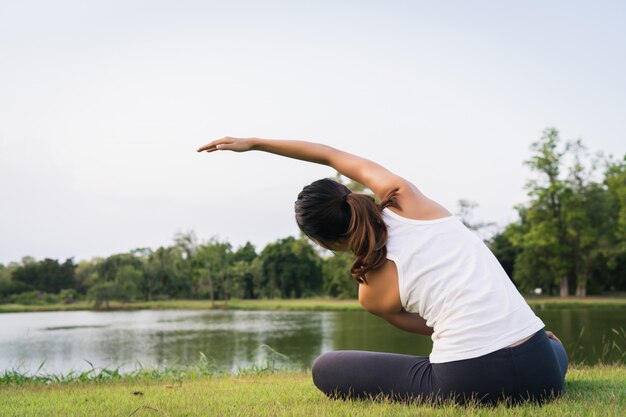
{"points": [[330, 214]]}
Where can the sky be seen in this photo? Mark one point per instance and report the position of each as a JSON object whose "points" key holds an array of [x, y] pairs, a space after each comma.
{"points": [[103, 104]]}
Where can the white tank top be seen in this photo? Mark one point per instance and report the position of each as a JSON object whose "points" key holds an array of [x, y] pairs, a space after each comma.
{"points": [[448, 276]]}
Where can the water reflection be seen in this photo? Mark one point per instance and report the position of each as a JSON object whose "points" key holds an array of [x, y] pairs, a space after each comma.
{"points": [[67, 340], [364, 331], [589, 335]]}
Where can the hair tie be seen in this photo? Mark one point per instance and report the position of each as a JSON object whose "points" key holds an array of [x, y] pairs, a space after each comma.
{"points": [[345, 197]]}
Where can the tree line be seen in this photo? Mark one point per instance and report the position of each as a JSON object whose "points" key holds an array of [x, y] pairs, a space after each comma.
{"points": [[570, 238], [287, 268]]}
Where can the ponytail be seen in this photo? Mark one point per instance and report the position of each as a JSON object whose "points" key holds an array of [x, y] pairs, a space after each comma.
{"points": [[327, 211], [367, 233]]}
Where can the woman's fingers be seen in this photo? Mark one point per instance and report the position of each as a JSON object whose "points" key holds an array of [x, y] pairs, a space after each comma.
{"points": [[209, 147], [212, 146], [225, 143]]}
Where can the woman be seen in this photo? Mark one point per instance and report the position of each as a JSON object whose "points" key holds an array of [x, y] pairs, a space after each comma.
{"points": [[423, 271]]}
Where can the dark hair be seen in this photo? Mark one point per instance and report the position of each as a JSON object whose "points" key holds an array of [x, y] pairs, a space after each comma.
{"points": [[327, 211]]}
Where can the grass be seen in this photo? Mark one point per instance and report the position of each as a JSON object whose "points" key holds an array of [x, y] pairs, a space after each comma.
{"points": [[269, 361], [590, 391], [308, 304]]}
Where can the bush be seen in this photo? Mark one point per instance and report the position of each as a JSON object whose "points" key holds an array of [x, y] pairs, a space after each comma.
{"points": [[68, 296], [34, 298], [104, 292]]}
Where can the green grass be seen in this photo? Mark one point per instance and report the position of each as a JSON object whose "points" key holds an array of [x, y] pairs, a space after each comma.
{"points": [[590, 391], [310, 304]]}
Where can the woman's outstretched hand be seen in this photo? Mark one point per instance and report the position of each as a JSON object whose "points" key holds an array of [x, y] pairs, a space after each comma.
{"points": [[228, 144]]}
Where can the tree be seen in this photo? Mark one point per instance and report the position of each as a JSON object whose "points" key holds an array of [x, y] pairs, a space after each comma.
{"points": [[46, 275], [530, 269], [245, 272], [107, 269], [245, 279], [585, 215], [160, 273], [187, 244], [246, 253], [291, 269], [105, 292], [566, 231], [211, 270], [9, 286], [545, 241], [615, 182], [338, 282], [86, 274], [502, 246], [128, 278]]}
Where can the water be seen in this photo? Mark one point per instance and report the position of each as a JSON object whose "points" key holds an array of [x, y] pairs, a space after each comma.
{"points": [[235, 339]]}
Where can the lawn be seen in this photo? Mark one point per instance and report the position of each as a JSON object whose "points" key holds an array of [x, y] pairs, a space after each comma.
{"points": [[590, 391]]}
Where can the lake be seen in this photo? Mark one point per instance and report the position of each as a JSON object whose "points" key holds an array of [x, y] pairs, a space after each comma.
{"points": [[238, 339]]}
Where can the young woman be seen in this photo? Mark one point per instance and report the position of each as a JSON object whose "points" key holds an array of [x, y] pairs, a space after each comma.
{"points": [[423, 271]]}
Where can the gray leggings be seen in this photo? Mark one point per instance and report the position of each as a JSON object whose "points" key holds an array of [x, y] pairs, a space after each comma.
{"points": [[533, 371]]}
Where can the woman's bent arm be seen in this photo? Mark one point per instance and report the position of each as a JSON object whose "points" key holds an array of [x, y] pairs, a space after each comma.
{"points": [[410, 322], [381, 181]]}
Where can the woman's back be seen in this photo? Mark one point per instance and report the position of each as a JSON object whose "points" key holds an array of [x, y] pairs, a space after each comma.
{"points": [[448, 276]]}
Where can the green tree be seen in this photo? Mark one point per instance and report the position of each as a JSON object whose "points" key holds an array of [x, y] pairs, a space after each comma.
{"points": [[47, 275], [615, 182], [589, 227], [503, 247], [9, 286], [212, 263], [86, 274], [566, 232], [338, 282], [529, 269], [245, 272], [291, 269], [161, 274], [246, 253], [245, 279], [107, 269], [187, 244], [545, 242], [104, 292], [129, 278]]}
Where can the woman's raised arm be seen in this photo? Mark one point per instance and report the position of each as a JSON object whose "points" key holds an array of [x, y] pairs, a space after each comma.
{"points": [[409, 200], [378, 179]]}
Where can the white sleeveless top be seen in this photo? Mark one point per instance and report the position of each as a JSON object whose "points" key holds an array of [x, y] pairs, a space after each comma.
{"points": [[448, 276]]}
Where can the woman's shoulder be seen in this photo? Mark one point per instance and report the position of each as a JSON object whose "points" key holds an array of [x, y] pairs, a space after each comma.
{"points": [[410, 203], [432, 217]]}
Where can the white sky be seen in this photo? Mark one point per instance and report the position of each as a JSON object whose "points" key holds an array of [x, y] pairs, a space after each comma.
{"points": [[103, 103]]}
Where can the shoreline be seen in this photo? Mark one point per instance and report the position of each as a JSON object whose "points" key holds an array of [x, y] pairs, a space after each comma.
{"points": [[305, 304]]}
